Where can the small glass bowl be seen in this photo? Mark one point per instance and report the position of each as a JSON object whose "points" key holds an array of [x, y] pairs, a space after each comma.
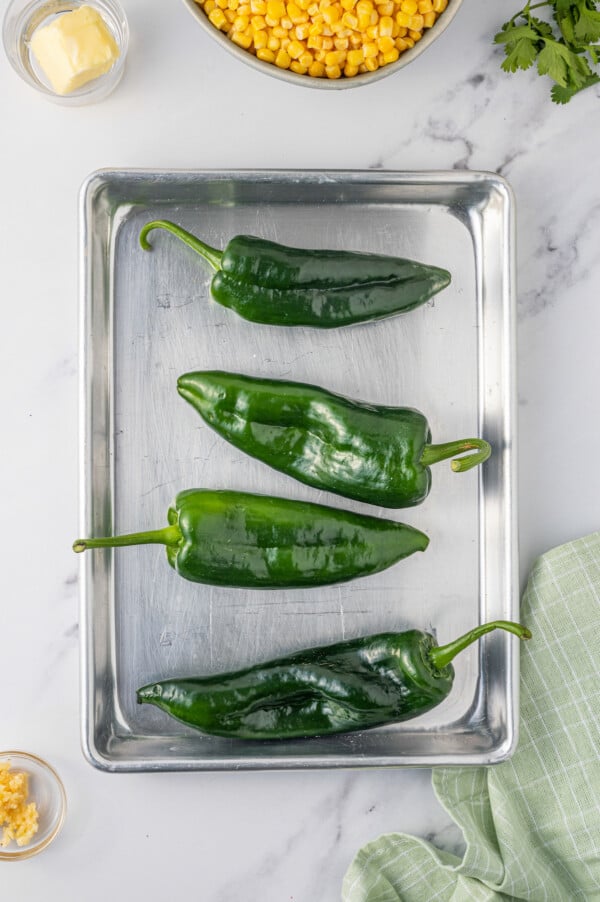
{"points": [[48, 793], [23, 17]]}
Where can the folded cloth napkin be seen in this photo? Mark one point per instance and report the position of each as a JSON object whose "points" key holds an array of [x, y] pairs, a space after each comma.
{"points": [[531, 824]]}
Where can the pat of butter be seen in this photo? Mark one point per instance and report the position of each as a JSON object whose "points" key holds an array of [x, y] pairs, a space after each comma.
{"points": [[75, 48]]}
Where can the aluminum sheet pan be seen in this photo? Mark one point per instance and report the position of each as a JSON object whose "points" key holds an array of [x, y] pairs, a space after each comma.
{"points": [[148, 317]]}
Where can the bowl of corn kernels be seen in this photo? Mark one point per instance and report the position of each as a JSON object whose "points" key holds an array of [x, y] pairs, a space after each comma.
{"points": [[325, 43]]}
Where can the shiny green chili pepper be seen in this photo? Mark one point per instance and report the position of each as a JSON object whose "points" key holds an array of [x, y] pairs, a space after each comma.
{"points": [[352, 685], [255, 541], [284, 286], [378, 455]]}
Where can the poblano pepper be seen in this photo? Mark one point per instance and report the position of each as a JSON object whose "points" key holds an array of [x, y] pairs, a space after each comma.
{"points": [[352, 685], [375, 454], [284, 286], [228, 538]]}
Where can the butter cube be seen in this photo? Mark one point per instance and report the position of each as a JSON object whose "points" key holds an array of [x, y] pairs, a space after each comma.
{"points": [[75, 48]]}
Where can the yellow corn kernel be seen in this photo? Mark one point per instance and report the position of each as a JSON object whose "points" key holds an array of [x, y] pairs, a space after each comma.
{"points": [[333, 72], [415, 35], [386, 9], [409, 42], [350, 71], [313, 10], [218, 18], [293, 10], [372, 32], [316, 69], [222, 4], [258, 23], [279, 31], [335, 57], [402, 19], [275, 9], [242, 39], [244, 10], [306, 59], [355, 57], [258, 7], [401, 44], [295, 49], [327, 43], [296, 67], [341, 44], [283, 59], [241, 23], [390, 56], [429, 19], [402, 32], [302, 31], [409, 7], [286, 23], [348, 4], [355, 40], [230, 15], [273, 43], [315, 42], [209, 6], [350, 20], [260, 39], [364, 20], [371, 64], [386, 26], [415, 23], [370, 50], [424, 6], [385, 44], [285, 43], [266, 55], [331, 14], [439, 5]]}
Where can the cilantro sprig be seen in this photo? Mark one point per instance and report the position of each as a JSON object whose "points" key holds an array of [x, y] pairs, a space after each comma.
{"points": [[566, 48]]}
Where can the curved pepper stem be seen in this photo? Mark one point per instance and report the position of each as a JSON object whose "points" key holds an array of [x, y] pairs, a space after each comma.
{"points": [[169, 535], [210, 254], [432, 454], [442, 655]]}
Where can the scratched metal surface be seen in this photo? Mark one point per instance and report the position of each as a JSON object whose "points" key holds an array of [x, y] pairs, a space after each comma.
{"points": [[147, 317]]}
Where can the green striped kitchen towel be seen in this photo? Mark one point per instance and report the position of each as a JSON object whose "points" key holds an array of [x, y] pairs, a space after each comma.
{"points": [[531, 824]]}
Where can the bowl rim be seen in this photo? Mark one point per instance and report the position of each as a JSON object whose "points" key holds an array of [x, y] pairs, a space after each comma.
{"points": [[23, 852], [356, 81]]}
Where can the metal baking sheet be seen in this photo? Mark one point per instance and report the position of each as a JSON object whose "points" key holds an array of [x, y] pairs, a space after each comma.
{"points": [[148, 317]]}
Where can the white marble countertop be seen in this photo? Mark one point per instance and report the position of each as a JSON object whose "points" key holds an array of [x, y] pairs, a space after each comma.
{"points": [[274, 837]]}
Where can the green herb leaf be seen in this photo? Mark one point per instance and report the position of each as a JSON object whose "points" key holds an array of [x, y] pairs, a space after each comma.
{"points": [[567, 51], [563, 95]]}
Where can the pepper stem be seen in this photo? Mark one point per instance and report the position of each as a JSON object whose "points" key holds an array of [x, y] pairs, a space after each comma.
{"points": [[442, 655], [169, 535], [210, 254], [432, 454]]}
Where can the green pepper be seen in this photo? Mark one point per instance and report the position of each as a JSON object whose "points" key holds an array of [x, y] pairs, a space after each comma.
{"points": [[352, 685], [255, 541], [283, 286], [378, 455]]}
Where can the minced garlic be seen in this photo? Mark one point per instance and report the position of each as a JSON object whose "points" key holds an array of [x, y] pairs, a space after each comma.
{"points": [[18, 817]]}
